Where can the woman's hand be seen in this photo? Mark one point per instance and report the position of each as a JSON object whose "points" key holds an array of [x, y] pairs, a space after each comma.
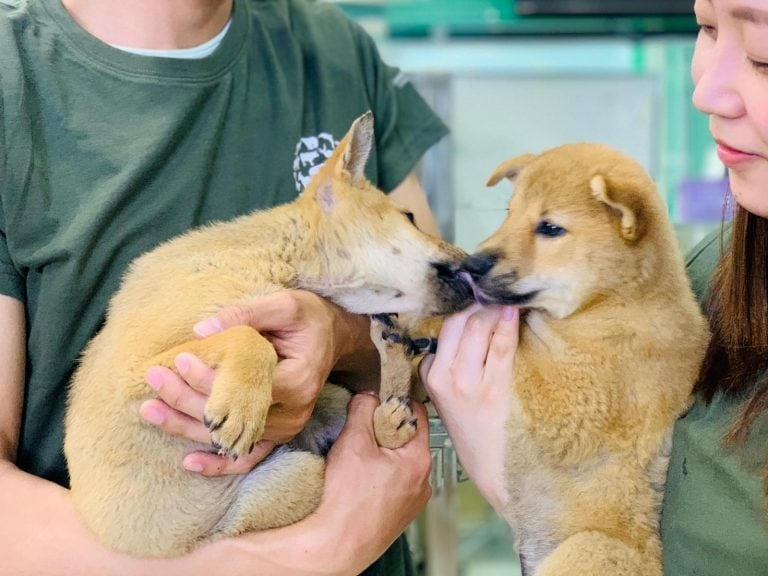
{"points": [[311, 336], [469, 382]]}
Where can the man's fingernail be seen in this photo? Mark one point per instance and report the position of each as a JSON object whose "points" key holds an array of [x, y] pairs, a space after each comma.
{"points": [[155, 379], [182, 363], [207, 327], [193, 466], [153, 415]]}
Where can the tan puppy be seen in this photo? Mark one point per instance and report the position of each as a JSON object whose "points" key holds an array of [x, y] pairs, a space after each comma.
{"points": [[609, 350], [342, 239]]}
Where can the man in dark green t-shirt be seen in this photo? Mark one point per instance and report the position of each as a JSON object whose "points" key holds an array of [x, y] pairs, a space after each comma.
{"points": [[124, 124]]}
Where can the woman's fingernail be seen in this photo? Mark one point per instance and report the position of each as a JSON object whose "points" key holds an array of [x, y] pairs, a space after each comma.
{"points": [[207, 327], [155, 378], [509, 313]]}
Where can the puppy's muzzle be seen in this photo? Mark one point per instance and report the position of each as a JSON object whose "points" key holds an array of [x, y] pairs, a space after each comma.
{"points": [[478, 265], [451, 276]]}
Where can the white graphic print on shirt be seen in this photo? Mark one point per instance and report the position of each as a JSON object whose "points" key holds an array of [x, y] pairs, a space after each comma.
{"points": [[311, 153]]}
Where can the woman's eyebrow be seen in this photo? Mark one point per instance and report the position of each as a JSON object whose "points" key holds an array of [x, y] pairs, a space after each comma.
{"points": [[751, 15]]}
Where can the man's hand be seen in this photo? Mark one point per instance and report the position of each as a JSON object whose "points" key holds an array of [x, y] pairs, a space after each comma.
{"points": [[392, 486], [178, 410], [469, 382], [310, 334]]}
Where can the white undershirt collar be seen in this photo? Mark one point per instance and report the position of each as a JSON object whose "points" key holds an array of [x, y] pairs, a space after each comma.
{"points": [[194, 53]]}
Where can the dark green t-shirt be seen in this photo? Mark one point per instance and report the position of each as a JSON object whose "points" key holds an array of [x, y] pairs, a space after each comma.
{"points": [[715, 518], [105, 154]]}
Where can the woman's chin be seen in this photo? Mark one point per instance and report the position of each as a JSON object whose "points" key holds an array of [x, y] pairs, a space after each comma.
{"points": [[750, 192]]}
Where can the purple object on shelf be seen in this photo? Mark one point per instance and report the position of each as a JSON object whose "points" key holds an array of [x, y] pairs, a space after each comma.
{"points": [[702, 200]]}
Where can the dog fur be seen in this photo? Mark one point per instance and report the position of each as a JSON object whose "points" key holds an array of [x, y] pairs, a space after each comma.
{"points": [[610, 346], [342, 239]]}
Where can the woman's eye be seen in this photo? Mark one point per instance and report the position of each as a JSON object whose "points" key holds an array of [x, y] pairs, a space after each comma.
{"points": [[545, 228], [410, 217], [708, 30], [759, 66]]}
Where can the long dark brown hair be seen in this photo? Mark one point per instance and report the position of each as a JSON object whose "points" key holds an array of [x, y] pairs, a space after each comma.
{"points": [[737, 358]]}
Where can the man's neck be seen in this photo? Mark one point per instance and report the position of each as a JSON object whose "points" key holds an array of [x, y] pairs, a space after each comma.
{"points": [[151, 24]]}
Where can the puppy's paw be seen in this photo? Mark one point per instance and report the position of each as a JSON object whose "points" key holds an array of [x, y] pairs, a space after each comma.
{"points": [[392, 343], [394, 423], [385, 335], [236, 415]]}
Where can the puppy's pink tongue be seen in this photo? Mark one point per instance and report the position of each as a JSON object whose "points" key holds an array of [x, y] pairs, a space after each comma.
{"points": [[467, 277]]}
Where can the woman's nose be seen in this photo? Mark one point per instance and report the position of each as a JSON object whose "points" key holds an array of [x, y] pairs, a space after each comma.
{"points": [[716, 73]]}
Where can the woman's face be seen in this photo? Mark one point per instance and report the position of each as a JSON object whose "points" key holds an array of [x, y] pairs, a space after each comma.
{"points": [[730, 74]]}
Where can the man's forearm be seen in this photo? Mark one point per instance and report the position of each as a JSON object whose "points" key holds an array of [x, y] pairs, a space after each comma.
{"points": [[42, 534]]}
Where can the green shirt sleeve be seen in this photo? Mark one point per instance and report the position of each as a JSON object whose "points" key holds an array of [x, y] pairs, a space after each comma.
{"points": [[406, 127], [11, 282]]}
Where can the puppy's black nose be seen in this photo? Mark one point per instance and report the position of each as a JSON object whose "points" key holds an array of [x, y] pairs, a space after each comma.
{"points": [[478, 265]]}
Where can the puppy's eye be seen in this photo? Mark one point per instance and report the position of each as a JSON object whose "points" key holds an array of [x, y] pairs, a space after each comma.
{"points": [[549, 230], [410, 217]]}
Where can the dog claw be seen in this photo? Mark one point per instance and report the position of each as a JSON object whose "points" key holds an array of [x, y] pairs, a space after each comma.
{"points": [[393, 337], [422, 346], [394, 423], [413, 422], [401, 401], [385, 319], [213, 426]]}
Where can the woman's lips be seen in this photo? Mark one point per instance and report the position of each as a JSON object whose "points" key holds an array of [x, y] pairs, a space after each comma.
{"points": [[732, 157]]}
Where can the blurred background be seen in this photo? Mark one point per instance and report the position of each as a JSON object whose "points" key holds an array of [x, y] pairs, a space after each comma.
{"points": [[517, 76]]}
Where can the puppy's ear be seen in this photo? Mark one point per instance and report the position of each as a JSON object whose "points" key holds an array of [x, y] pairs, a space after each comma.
{"points": [[346, 163], [355, 148], [623, 203], [509, 169]]}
